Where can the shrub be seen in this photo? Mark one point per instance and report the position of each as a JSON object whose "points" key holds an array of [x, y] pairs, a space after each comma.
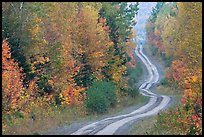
{"points": [[96, 102], [134, 74], [100, 96], [18, 115], [164, 82], [133, 92]]}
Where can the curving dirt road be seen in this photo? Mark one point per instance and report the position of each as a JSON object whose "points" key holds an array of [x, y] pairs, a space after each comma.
{"points": [[114, 125]]}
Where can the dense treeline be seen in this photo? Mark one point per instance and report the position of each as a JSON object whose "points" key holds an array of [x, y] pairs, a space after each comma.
{"points": [[53, 52], [174, 30]]}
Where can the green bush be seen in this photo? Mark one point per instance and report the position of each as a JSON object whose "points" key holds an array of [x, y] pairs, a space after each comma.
{"points": [[134, 74], [18, 115], [96, 102], [100, 96], [164, 82], [133, 92]]}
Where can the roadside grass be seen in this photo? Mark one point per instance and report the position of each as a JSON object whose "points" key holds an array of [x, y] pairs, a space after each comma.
{"points": [[43, 121], [169, 91], [57, 116], [151, 126]]}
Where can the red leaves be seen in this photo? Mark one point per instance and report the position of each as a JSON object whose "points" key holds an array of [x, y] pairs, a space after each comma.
{"points": [[102, 20], [194, 118], [11, 80], [5, 50], [190, 81], [106, 28], [177, 72], [158, 43]]}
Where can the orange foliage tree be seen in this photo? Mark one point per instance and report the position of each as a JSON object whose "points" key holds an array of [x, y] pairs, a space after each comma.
{"points": [[12, 79]]}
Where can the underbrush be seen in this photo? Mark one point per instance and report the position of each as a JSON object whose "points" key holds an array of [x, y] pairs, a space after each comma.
{"points": [[176, 120], [40, 119], [180, 119]]}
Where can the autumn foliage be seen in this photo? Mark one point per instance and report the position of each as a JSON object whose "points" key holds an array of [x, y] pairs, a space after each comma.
{"points": [[53, 52], [177, 32], [12, 80]]}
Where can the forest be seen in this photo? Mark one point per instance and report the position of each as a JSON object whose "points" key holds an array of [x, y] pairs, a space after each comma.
{"points": [[174, 31], [64, 54]]}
